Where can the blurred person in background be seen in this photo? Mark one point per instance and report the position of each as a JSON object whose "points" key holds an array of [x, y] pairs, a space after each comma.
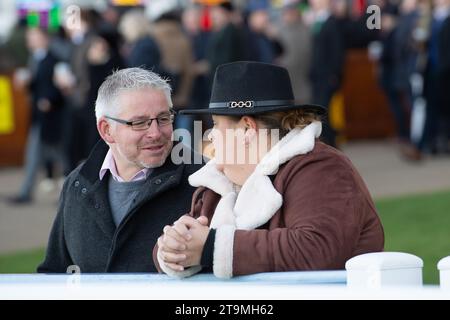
{"points": [[103, 58], [436, 73], [225, 43], [353, 25], [398, 63], [72, 78], [141, 50], [176, 55], [61, 45], [327, 64], [110, 18], [177, 58], [191, 20], [262, 37], [296, 40], [444, 84], [13, 52], [43, 143]]}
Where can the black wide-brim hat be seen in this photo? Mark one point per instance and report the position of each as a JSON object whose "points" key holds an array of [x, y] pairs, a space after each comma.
{"points": [[248, 88]]}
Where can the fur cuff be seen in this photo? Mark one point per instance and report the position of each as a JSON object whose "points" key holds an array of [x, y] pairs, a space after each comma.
{"points": [[223, 252], [177, 274]]}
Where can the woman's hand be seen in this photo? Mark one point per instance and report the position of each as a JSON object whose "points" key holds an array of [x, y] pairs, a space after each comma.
{"points": [[182, 244], [172, 243]]}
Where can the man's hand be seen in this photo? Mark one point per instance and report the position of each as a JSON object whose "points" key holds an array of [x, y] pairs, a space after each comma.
{"points": [[182, 244]]}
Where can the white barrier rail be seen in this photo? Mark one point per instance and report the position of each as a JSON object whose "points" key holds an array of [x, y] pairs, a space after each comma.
{"points": [[284, 278], [444, 272], [380, 269], [143, 287], [385, 275]]}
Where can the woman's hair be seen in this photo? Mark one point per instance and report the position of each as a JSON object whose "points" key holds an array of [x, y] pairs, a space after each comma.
{"points": [[285, 121]]}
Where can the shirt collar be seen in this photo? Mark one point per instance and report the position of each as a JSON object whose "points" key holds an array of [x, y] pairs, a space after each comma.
{"points": [[110, 164]]}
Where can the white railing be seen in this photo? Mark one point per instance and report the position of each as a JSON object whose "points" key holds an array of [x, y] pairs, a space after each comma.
{"points": [[384, 275], [380, 269], [444, 272]]}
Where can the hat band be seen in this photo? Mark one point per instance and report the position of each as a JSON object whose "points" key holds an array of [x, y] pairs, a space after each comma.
{"points": [[250, 104]]}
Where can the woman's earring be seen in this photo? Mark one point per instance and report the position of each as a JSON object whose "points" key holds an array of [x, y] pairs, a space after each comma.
{"points": [[249, 134]]}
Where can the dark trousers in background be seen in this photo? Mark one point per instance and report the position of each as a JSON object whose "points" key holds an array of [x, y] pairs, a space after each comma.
{"points": [[400, 102], [37, 153], [430, 131], [79, 136]]}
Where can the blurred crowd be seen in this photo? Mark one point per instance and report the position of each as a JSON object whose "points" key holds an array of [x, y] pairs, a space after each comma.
{"points": [[63, 69]]}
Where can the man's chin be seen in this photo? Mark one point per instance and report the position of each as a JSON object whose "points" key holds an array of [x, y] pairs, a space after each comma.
{"points": [[154, 162], [152, 165]]}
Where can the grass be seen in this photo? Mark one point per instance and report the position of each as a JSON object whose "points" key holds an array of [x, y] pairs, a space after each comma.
{"points": [[418, 224], [21, 262]]}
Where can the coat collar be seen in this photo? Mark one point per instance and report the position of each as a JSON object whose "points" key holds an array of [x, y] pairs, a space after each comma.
{"points": [[160, 180], [93, 163], [257, 201]]}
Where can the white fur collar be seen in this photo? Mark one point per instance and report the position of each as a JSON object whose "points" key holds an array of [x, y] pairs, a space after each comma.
{"points": [[257, 200]]}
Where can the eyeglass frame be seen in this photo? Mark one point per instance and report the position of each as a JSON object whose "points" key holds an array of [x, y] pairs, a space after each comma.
{"points": [[130, 123]]}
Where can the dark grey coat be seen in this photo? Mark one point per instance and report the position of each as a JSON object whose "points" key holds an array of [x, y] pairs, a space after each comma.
{"points": [[84, 233]]}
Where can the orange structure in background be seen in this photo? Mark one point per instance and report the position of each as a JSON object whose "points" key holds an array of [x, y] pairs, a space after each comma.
{"points": [[367, 114]]}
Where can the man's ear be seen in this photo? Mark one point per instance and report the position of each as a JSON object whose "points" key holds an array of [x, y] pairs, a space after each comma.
{"points": [[104, 129]]}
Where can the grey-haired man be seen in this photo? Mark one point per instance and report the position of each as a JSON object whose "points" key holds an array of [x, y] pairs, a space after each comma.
{"points": [[114, 206]]}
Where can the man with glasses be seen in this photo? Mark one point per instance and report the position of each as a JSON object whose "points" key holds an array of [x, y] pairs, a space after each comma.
{"points": [[114, 206]]}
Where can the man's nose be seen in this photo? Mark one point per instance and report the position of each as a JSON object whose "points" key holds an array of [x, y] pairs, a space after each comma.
{"points": [[153, 130]]}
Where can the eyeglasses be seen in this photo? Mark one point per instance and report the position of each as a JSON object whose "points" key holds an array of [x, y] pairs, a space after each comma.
{"points": [[141, 125]]}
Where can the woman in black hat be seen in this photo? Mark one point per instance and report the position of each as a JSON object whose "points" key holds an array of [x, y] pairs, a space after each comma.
{"points": [[274, 198]]}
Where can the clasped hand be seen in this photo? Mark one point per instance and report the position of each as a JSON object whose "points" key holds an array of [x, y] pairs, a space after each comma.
{"points": [[181, 245]]}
